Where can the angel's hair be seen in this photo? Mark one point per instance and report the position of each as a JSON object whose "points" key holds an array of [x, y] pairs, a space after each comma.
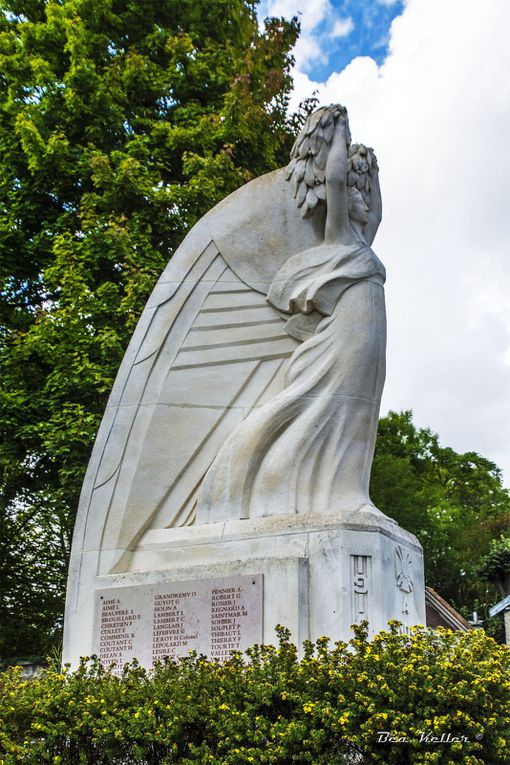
{"points": [[306, 169]]}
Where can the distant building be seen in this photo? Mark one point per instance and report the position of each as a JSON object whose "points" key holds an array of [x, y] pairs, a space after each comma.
{"points": [[28, 669], [503, 607], [442, 614]]}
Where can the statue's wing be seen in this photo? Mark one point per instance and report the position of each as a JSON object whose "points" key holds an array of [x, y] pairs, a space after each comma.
{"points": [[207, 349]]}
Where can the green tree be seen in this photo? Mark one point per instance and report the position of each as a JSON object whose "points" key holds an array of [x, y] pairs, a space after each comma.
{"points": [[495, 566], [454, 503], [121, 123]]}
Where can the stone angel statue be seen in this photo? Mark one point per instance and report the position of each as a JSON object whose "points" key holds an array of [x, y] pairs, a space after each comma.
{"points": [[251, 386], [309, 448]]}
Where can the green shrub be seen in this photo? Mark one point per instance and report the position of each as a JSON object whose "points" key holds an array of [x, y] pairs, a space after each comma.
{"points": [[271, 707]]}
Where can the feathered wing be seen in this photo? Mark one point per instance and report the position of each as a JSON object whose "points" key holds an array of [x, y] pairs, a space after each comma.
{"points": [[208, 349]]}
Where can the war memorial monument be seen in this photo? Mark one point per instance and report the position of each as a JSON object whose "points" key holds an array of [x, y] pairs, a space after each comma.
{"points": [[228, 488]]}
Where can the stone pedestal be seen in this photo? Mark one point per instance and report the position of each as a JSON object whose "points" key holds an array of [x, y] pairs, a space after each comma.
{"points": [[224, 586]]}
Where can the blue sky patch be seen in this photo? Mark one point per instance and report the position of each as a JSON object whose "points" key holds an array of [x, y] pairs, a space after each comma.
{"points": [[369, 35], [348, 28]]}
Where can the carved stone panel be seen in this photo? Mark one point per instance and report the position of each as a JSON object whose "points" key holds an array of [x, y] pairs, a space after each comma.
{"points": [[150, 622], [403, 575]]}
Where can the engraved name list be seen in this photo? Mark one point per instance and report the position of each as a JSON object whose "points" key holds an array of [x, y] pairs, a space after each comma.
{"points": [[151, 622]]}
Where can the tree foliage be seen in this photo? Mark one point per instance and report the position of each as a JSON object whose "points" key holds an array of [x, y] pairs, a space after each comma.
{"points": [[495, 566], [454, 503], [270, 708], [121, 123]]}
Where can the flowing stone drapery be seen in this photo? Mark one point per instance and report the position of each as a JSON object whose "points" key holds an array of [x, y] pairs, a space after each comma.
{"points": [[309, 449]]}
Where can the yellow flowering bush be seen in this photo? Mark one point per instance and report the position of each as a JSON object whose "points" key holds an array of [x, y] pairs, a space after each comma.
{"points": [[428, 697]]}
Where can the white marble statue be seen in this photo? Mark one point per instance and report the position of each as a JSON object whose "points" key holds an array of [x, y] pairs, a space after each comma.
{"points": [[258, 361], [309, 449], [234, 455]]}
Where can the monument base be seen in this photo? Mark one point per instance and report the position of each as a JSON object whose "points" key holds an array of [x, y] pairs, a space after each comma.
{"points": [[224, 586]]}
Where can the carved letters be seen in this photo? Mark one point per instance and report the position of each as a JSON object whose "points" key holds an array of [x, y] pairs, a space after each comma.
{"points": [[360, 571], [150, 622]]}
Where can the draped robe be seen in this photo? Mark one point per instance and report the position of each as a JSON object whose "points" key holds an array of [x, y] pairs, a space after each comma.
{"points": [[310, 448]]}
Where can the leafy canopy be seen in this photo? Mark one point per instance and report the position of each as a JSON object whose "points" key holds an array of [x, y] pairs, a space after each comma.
{"points": [[454, 503], [495, 566]]}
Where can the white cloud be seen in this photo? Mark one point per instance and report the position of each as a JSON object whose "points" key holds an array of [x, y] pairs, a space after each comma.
{"points": [[307, 50], [438, 114], [312, 13], [342, 27]]}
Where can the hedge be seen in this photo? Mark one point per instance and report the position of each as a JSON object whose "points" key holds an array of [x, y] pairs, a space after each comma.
{"points": [[428, 697]]}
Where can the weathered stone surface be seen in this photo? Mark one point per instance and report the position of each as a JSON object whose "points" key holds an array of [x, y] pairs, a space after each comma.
{"points": [[320, 575], [239, 434]]}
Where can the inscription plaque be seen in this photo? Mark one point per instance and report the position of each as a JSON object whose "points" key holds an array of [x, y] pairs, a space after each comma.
{"points": [[150, 622]]}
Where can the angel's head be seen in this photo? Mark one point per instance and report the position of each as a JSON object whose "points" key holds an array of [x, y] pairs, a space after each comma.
{"points": [[306, 170]]}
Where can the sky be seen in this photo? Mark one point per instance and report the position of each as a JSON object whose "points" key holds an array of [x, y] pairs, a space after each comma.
{"points": [[427, 85]]}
